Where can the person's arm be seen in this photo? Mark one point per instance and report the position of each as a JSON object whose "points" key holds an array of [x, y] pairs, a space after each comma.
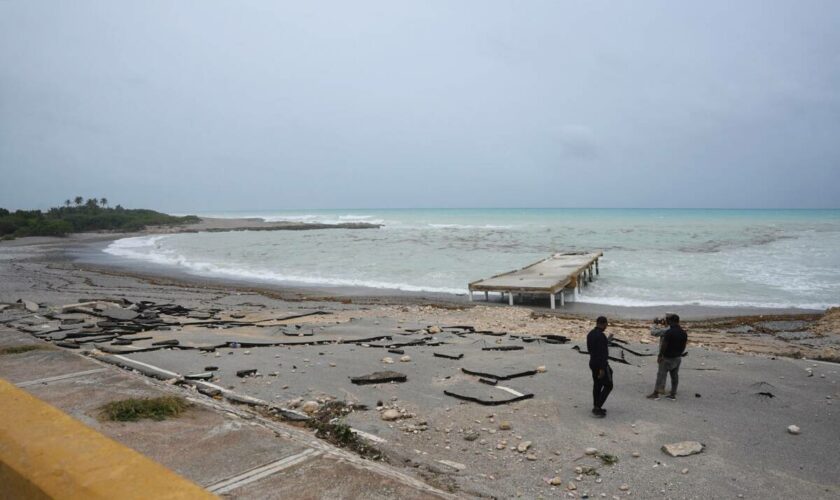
{"points": [[658, 331], [662, 347]]}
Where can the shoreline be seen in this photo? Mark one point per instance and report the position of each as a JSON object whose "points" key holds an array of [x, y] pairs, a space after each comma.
{"points": [[85, 251]]}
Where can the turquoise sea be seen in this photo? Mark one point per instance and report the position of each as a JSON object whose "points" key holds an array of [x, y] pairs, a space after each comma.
{"points": [[738, 258]]}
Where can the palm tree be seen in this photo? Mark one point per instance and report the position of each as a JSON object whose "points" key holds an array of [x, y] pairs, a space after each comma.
{"points": [[91, 203], [103, 202], [78, 200], [67, 203]]}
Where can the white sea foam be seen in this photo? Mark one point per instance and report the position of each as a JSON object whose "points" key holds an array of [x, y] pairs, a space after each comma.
{"points": [[144, 248]]}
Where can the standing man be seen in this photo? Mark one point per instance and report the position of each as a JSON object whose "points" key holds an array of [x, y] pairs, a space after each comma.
{"points": [[597, 344], [671, 350]]}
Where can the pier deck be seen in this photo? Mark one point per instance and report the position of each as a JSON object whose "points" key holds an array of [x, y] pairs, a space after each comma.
{"points": [[549, 276]]}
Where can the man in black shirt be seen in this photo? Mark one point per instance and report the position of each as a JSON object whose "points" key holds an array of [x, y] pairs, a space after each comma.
{"points": [[670, 355], [597, 344]]}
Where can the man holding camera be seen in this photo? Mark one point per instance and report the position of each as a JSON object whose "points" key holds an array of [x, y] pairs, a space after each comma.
{"points": [[671, 349]]}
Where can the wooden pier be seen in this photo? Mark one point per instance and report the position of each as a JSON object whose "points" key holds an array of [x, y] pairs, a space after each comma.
{"points": [[550, 276]]}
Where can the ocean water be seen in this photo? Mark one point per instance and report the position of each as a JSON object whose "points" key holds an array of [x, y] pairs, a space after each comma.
{"points": [[737, 258]]}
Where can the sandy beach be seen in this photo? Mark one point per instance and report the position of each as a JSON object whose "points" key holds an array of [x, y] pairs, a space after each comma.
{"points": [[531, 448]]}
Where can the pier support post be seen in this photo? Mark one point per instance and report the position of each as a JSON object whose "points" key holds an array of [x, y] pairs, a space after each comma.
{"points": [[469, 292], [510, 298], [562, 298], [596, 267], [590, 273], [552, 301], [487, 296]]}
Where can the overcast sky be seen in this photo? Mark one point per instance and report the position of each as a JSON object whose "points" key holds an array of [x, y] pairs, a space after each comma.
{"points": [[202, 105]]}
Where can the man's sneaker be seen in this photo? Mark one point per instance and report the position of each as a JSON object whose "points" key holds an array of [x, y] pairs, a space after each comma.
{"points": [[653, 395], [598, 413], [672, 397]]}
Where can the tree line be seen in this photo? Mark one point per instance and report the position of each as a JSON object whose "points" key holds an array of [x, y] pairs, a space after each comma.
{"points": [[80, 215]]}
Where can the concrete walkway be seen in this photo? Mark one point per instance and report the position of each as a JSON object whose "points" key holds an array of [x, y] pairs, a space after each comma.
{"points": [[224, 448]]}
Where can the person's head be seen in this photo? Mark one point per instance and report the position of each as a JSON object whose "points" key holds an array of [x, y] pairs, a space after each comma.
{"points": [[673, 319], [601, 322]]}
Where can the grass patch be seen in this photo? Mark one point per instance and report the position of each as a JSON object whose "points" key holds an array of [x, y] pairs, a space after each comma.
{"points": [[18, 349], [134, 409], [607, 458]]}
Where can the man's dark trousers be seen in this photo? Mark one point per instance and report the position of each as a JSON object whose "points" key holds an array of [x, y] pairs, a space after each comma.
{"points": [[602, 386]]}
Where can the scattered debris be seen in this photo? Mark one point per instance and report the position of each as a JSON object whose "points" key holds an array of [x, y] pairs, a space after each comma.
{"points": [[246, 373], [448, 356], [501, 373]]}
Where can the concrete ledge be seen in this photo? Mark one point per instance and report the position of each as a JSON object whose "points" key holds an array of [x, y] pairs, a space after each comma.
{"points": [[45, 453]]}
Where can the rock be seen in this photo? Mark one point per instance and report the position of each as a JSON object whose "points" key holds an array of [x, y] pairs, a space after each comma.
{"points": [[531, 457], [504, 425], [405, 359], [454, 465], [683, 448], [388, 360], [684, 471], [501, 446], [571, 486], [591, 451], [30, 306], [246, 373], [310, 407], [794, 429], [118, 313], [379, 378], [624, 487], [434, 329], [391, 414], [471, 436], [555, 481], [523, 446], [636, 454], [541, 369]]}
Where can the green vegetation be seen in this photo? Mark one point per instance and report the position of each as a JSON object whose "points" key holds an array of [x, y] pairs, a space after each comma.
{"points": [[79, 216], [132, 410], [20, 349]]}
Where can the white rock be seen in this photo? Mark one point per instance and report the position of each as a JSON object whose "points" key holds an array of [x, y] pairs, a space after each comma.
{"points": [[624, 487], [794, 429], [591, 451], [388, 360], [454, 465], [434, 329], [555, 481], [391, 414], [523, 446], [405, 359], [310, 407], [684, 471], [541, 369], [683, 448], [504, 425], [636, 454]]}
